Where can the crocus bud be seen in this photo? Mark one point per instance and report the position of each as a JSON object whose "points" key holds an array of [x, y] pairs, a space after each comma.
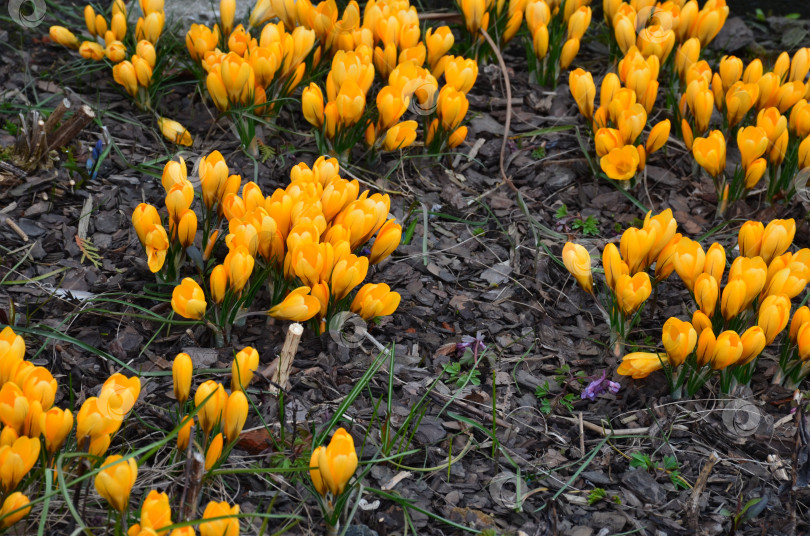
{"points": [[750, 238], [774, 313], [188, 299], [715, 263], [335, 464], [174, 131], [631, 292], [312, 105], [728, 349], [298, 306], [239, 266], [227, 11], [114, 482], [211, 412], [733, 299], [679, 340], [641, 364], [91, 50], [65, 37], [218, 283], [184, 434], [242, 368], [214, 452], [707, 291], [388, 238], [569, 51], [753, 342], [17, 460], [15, 502], [777, 238], [577, 261], [220, 527], [236, 411], [583, 90], [658, 136], [182, 370], [155, 512], [187, 228], [124, 74]]}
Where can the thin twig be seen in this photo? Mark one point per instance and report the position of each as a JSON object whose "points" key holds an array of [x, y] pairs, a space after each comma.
{"points": [[692, 506], [533, 223]]}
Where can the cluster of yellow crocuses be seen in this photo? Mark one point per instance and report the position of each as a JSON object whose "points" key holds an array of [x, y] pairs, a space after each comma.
{"points": [[555, 33], [733, 323], [31, 421], [115, 482], [753, 104], [249, 72], [108, 41], [625, 101], [221, 416], [654, 27], [307, 238], [767, 141], [389, 42]]}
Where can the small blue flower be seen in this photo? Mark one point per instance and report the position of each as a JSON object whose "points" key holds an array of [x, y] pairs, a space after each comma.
{"points": [[92, 160]]}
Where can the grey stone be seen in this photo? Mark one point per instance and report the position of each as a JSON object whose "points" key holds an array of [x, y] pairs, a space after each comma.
{"points": [[430, 431], [645, 486], [612, 521], [36, 209], [202, 357], [486, 123], [597, 477], [497, 274], [38, 252], [197, 12], [102, 240], [107, 222], [30, 228], [560, 178], [734, 36]]}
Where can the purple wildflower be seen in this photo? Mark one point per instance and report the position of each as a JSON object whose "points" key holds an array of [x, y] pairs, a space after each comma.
{"points": [[475, 343], [600, 385]]}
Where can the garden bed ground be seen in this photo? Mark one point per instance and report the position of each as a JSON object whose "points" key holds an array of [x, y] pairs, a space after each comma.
{"points": [[474, 268]]}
